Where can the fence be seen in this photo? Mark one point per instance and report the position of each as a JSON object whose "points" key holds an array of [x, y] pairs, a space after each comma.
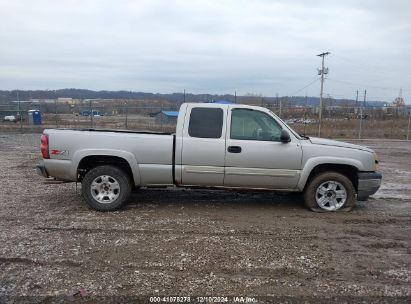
{"points": [[337, 122]]}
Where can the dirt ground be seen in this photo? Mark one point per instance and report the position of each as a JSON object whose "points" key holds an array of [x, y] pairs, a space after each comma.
{"points": [[201, 242]]}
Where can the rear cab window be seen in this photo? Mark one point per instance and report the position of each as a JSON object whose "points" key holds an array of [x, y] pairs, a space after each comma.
{"points": [[206, 122]]}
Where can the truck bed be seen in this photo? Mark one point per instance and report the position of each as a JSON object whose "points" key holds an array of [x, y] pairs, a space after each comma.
{"points": [[149, 154]]}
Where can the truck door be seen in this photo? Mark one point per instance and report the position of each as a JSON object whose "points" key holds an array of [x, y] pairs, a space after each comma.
{"points": [[203, 147], [256, 157]]}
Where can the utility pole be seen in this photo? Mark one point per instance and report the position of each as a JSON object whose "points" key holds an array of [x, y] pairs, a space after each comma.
{"points": [[184, 97], [91, 115], [235, 97], [281, 106], [356, 104], [126, 110], [18, 102], [305, 112], [321, 72], [19, 106], [409, 123], [55, 112], [361, 114], [161, 120]]}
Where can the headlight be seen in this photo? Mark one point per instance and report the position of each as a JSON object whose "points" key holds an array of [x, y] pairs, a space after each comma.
{"points": [[376, 161]]}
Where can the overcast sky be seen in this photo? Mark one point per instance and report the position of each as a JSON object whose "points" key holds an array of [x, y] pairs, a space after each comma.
{"points": [[222, 46]]}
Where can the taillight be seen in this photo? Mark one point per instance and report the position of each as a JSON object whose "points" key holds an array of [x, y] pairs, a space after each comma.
{"points": [[44, 146]]}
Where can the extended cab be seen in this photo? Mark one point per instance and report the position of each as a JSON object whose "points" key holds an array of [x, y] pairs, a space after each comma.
{"points": [[215, 145]]}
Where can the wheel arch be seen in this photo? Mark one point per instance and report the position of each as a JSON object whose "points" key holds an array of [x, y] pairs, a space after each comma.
{"points": [[125, 160], [344, 167]]}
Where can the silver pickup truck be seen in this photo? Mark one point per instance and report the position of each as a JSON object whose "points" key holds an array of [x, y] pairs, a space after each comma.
{"points": [[215, 145]]}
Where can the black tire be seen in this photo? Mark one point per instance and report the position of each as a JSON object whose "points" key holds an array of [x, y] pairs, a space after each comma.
{"points": [[116, 198], [311, 196]]}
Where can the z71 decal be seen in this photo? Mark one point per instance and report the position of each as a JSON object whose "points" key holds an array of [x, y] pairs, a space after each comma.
{"points": [[59, 152]]}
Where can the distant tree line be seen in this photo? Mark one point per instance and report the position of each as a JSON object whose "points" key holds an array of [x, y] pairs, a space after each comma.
{"points": [[174, 98]]}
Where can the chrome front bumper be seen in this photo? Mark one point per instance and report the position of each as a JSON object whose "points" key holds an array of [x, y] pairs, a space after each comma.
{"points": [[368, 184]]}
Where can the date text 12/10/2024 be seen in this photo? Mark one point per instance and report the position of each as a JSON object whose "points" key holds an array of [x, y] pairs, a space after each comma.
{"points": [[203, 299]]}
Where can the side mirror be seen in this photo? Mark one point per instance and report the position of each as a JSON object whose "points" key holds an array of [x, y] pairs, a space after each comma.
{"points": [[285, 136]]}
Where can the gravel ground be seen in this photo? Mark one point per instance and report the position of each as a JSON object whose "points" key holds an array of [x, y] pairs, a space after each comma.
{"points": [[201, 242]]}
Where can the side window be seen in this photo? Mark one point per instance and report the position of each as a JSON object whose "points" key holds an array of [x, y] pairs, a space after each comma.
{"points": [[206, 122], [253, 125]]}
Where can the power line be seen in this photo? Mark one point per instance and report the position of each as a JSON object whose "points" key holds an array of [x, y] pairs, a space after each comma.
{"points": [[372, 69], [380, 71], [306, 86], [362, 84]]}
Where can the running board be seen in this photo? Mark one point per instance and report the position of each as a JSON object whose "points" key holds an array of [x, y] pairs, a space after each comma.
{"points": [[52, 181]]}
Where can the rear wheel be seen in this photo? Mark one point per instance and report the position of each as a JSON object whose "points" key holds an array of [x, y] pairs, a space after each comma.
{"points": [[106, 188], [330, 191]]}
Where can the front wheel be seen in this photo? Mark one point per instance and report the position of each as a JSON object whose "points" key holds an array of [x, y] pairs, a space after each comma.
{"points": [[106, 188], [330, 191]]}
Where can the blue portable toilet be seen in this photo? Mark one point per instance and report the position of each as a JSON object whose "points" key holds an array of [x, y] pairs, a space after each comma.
{"points": [[34, 117]]}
